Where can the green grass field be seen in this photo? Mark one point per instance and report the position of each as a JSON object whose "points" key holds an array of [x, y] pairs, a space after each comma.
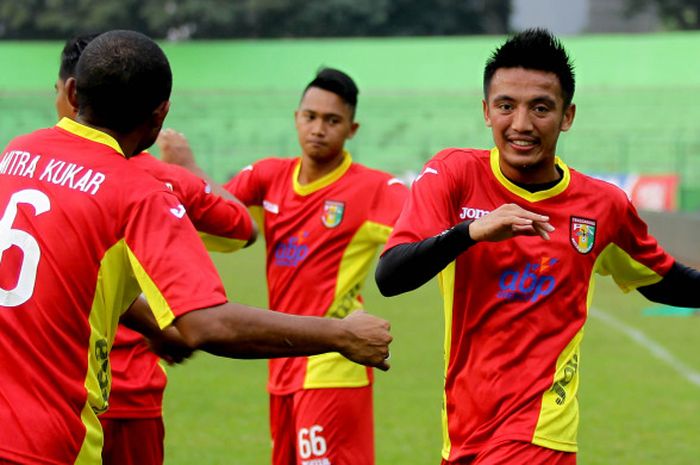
{"points": [[636, 409]]}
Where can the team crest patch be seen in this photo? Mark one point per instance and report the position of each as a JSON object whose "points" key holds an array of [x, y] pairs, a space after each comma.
{"points": [[582, 231], [332, 213]]}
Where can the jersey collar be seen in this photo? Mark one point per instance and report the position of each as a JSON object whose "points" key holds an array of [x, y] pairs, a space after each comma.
{"points": [[324, 181], [87, 132], [519, 191]]}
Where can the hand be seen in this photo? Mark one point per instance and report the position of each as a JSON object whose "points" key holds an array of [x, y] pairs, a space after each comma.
{"points": [[369, 339], [508, 221], [170, 346], [175, 149]]}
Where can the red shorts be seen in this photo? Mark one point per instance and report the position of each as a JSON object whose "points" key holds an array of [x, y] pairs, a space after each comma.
{"points": [[517, 453], [136, 441], [323, 427]]}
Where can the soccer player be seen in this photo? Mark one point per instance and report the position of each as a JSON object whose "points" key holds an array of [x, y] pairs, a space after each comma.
{"points": [[517, 236], [324, 217], [133, 425], [83, 232]]}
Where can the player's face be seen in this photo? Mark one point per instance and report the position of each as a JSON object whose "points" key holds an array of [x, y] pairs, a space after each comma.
{"points": [[63, 107], [324, 122], [525, 111]]}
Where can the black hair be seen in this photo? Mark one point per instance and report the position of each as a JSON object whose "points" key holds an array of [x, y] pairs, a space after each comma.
{"points": [[121, 77], [71, 53], [339, 83], [536, 49]]}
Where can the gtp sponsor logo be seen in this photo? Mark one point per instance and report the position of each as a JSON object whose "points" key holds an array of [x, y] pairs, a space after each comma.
{"points": [[530, 283], [292, 251]]}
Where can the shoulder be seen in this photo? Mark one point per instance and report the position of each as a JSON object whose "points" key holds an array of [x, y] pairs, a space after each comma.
{"points": [[375, 176], [461, 156], [268, 167], [34, 135], [273, 163], [603, 189], [44, 138], [160, 169], [457, 165]]}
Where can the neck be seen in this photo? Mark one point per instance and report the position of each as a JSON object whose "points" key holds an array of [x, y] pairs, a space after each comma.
{"points": [[537, 187], [531, 174], [313, 169], [128, 142]]}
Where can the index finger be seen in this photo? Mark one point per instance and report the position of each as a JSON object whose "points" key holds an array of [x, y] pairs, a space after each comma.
{"points": [[533, 216]]}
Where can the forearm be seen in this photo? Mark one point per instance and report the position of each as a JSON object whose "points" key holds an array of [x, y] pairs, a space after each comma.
{"points": [[679, 288], [237, 331], [216, 188], [409, 266], [140, 318]]}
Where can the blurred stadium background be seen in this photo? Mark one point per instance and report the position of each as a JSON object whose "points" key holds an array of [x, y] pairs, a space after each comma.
{"points": [[235, 99], [638, 84]]}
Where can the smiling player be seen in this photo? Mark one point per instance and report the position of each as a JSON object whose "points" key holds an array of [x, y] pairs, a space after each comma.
{"points": [[517, 237]]}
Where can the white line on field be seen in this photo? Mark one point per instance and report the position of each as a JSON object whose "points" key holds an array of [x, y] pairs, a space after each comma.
{"points": [[656, 349]]}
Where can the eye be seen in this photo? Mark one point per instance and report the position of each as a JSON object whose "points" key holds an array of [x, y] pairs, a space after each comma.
{"points": [[504, 106]]}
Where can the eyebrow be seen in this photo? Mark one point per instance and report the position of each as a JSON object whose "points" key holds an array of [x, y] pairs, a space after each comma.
{"points": [[538, 99], [325, 115]]}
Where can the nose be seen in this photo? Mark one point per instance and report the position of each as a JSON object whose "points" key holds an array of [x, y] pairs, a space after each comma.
{"points": [[318, 127], [521, 120]]}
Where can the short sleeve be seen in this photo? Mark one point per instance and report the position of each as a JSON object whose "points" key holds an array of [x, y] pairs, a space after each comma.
{"points": [[386, 207], [221, 221], [428, 209], [169, 260], [634, 258], [247, 185]]}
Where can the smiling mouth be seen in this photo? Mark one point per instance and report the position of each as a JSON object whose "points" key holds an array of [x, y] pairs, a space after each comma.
{"points": [[523, 144]]}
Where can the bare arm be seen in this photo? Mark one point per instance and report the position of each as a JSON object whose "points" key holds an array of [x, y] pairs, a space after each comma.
{"points": [[175, 149], [238, 331], [167, 343]]}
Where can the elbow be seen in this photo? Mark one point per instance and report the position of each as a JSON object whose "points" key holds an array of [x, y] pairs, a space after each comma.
{"points": [[382, 277], [253, 235], [199, 329]]}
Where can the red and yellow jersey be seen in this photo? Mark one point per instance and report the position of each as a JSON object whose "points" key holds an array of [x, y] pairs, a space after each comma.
{"points": [[515, 309], [82, 233], [321, 239], [225, 225], [138, 380]]}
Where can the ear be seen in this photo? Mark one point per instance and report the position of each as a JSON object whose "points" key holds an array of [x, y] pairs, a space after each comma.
{"points": [[568, 118], [161, 112], [71, 93], [485, 107], [353, 129]]}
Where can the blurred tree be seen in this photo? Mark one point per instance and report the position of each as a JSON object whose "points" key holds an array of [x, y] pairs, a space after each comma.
{"points": [[676, 14], [17, 18], [447, 17], [348, 18], [184, 19]]}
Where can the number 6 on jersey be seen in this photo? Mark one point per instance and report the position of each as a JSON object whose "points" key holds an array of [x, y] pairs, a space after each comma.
{"points": [[26, 242]]}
